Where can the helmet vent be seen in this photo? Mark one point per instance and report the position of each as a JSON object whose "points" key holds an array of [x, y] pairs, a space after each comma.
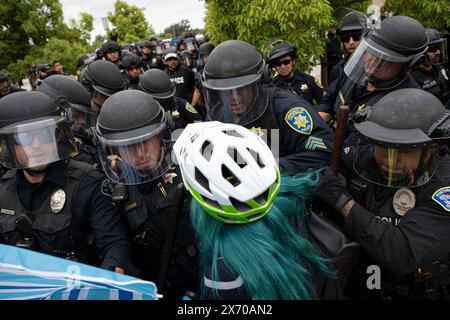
{"points": [[240, 206], [262, 198], [226, 173], [206, 153], [201, 179], [235, 155], [255, 156]]}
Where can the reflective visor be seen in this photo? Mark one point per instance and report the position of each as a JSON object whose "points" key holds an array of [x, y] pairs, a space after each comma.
{"points": [[135, 162], [33, 144], [241, 105], [82, 121], [395, 167], [375, 64]]}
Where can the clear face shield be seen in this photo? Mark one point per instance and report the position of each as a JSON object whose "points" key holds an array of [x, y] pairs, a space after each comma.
{"points": [[188, 61], [371, 63], [159, 49], [437, 52], [136, 160], [191, 46], [241, 105], [395, 167], [36, 144], [82, 120]]}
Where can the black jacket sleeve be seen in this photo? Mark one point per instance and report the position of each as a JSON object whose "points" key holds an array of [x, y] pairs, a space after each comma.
{"points": [[95, 208]]}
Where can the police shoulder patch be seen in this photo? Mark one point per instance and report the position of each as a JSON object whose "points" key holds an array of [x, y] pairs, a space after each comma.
{"points": [[190, 108], [442, 197], [107, 187], [299, 120]]}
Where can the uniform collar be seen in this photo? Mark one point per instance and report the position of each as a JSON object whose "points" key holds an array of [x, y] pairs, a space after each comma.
{"points": [[55, 175]]}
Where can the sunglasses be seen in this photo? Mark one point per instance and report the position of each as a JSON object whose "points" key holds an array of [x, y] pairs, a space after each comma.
{"points": [[434, 47], [24, 139], [346, 37], [285, 62]]}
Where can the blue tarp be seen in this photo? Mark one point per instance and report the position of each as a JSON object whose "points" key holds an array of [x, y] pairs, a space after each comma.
{"points": [[26, 275]]}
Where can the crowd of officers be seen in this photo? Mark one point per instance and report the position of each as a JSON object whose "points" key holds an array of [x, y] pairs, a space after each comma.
{"points": [[89, 176]]}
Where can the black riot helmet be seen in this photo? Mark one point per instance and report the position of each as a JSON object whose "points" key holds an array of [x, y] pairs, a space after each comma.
{"points": [[131, 60], [281, 50], [232, 83], [352, 22], [157, 83], [191, 44], [110, 46], [205, 48], [4, 76], [133, 149], [72, 96], [104, 77], [397, 45], [33, 132], [398, 141], [437, 45]]}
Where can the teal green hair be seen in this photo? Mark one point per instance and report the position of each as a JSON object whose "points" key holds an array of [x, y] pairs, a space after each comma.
{"points": [[272, 257]]}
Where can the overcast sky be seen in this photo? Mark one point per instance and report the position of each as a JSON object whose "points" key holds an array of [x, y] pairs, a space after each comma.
{"points": [[159, 13]]}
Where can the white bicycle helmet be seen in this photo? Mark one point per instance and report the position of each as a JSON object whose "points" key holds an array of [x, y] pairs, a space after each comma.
{"points": [[229, 170]]}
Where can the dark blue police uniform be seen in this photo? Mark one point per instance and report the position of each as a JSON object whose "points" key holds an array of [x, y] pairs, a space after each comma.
{"points": [[84, 225], [305, 140], [302, 84]]}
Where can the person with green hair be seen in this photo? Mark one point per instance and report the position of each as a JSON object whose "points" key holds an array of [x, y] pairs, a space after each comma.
{"points": [[250, 220]]}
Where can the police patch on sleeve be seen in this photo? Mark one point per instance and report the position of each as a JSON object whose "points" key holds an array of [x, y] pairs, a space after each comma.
{"points": [[442, 196], [299, 120], [190, 108], [107, 187]]}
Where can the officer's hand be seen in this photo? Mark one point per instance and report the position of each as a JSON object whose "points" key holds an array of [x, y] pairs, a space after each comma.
{"points": [[333, 189]]}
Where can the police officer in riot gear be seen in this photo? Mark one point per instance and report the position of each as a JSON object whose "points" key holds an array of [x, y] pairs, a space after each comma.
{"points": [[112, 52], [102, 79], [399, 209], [204, 51], [5, 85], [179, 112], [233, 93], [379, 65], [149, 58], [48, 202], [431, 75], [282, 58], [75, 99], [135, 152], [182, 76], [349, 32], [132, 65]]}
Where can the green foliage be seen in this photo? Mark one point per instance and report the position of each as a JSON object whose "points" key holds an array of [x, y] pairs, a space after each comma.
{"points": [[129, 23], [177, 29], [24, 24], [431, 13], [358, 5], [260, 22], [34, 32]]}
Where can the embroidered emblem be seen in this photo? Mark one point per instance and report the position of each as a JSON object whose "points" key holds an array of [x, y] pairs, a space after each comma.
{"points": [[300, 120]]}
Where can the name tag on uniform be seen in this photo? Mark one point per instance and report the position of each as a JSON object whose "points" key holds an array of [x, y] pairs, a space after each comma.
{"points": [[6, 211]]}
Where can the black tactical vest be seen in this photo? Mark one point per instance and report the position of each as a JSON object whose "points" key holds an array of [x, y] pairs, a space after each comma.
{"points": [[40, 230], [148, 211]]}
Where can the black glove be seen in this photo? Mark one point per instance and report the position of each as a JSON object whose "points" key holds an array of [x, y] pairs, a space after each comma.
{"points": [[333, 189]]}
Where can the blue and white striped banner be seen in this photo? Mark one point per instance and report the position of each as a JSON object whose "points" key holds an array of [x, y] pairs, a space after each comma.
{"points": [[28, 275]]}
